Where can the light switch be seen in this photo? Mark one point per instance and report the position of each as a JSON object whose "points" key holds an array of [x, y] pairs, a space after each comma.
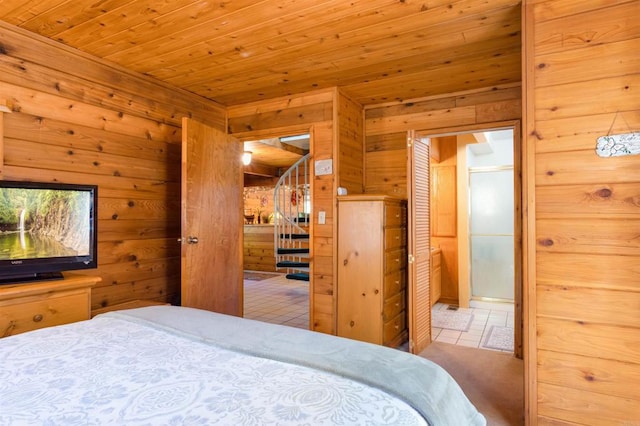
{"points": [[322, 217]]}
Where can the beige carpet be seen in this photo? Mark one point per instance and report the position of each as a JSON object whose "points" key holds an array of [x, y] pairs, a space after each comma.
{"points": [[493, 381]]}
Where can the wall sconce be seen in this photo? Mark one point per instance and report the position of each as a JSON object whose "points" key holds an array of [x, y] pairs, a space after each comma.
{"points": [[246, 158]]}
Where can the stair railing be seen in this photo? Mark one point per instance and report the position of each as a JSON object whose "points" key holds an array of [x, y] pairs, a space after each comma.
{"points": [[292, 207]]}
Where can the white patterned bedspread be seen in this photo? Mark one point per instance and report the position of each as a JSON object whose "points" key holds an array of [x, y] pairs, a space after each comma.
{"points": [[111, 371]]}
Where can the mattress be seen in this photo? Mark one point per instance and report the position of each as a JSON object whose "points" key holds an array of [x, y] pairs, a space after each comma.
{"points": [[177, 366]]}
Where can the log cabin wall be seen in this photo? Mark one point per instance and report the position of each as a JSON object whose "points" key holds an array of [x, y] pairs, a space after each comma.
{"points": [[259, 252], [77, 119], [582, 73], [444, 213], [336, 125], [310, 112], [386, 129], [350, 144]]}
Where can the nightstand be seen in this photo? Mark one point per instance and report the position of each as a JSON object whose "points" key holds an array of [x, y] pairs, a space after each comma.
{"points": [[39, 304]]}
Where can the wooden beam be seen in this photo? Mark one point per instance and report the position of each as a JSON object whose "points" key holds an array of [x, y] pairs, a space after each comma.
{"points": [[261, 170], [277, 143], [255, 180]]}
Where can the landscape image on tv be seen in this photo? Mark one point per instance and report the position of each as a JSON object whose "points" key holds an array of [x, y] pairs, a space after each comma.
{"points": [[44, 223]]}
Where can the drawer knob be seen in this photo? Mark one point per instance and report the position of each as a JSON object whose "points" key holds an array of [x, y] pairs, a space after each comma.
{"points": [[352, 323], [38, 318]]}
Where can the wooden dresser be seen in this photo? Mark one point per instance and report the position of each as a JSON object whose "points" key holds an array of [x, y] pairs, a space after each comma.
{"points": [[39, 304], [372, 269]]}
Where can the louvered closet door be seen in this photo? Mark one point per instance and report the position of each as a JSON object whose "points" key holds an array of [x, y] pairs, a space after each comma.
{"points": [[419, 302]]}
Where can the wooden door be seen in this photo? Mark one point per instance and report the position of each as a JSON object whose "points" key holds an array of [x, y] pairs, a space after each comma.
{"points": [[212, 219], [419, 299]]}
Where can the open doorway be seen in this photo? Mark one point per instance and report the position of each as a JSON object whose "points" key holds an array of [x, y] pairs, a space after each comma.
{"points": [[272, 293], [475, 232]]}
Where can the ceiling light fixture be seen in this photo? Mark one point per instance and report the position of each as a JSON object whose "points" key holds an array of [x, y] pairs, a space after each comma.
{"points": [[246, 158]]}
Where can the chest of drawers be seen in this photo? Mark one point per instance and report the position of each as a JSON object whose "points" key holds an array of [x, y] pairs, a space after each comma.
{"points": [[372, 269]]}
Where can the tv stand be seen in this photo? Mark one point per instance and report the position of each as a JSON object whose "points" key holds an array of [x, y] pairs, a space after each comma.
{"points": [[40, 276], [38, 304]]}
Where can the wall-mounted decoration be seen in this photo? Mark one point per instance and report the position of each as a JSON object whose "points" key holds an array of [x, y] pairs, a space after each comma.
{"points": [[616, 145], [323, 167]]}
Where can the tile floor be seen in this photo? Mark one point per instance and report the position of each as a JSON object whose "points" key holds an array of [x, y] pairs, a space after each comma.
{"points": [[281, 301], [277, 300], [485, 314]]}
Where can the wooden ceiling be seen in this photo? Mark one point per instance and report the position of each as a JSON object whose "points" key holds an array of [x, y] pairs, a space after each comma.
{"points": [[238, 51], [271, 157]]}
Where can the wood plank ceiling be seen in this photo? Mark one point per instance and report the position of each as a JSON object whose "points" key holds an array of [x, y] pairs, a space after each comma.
{"points": [[238, 51]]}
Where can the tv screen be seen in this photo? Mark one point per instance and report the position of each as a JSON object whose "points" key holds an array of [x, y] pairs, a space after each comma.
{"points": [[45, 229]]}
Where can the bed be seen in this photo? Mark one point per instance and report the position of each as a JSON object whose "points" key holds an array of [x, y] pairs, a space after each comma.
{"points": [[169, 365]]}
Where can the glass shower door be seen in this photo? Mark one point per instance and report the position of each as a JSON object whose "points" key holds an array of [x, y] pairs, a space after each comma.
{"points": [[492, 233]]}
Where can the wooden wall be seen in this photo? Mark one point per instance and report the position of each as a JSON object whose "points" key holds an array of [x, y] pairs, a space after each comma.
{"points": [[444, 214], [76, 119], [350, 148], [386, 129], [336, 125], [258, 252], [311, 112], [582, 76]]}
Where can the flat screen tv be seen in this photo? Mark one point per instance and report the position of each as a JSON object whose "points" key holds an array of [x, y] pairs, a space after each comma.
{"points": [[46, 229]]}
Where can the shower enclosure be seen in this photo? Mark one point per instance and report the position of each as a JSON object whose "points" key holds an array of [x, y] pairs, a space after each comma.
{"points": [[491, 232]]}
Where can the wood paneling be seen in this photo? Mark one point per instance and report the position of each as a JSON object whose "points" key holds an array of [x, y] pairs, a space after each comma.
{"points": [[386, 152], [590, 200], [444, 207], [444, 215], [587, 297], [573, 235], [314, 113], [52, 68], [449, 268], [386, 126], [78, 120], [350, 144], [335, 122], [259, 253], [590, 374], [243, 51], [585, 408]]}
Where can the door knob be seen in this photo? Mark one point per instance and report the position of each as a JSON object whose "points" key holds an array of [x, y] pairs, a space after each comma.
{"points": [[190, 240]]}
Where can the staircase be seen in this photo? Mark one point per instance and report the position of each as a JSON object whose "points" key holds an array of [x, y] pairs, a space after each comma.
{"points": [[292, 211]]}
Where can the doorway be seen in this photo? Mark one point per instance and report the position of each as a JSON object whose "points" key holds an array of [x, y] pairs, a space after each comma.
{"points": [[490, 190], [270, 295], [475, 193]]}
